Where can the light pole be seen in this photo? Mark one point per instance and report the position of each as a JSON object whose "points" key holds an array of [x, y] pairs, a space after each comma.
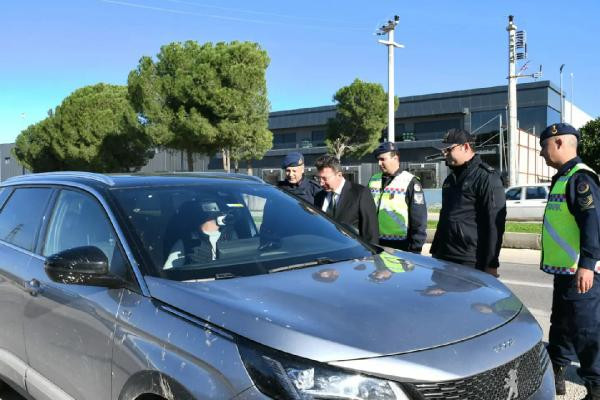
{"points": [[572, 98], [512, 103], [389, 29], [562, 117]]}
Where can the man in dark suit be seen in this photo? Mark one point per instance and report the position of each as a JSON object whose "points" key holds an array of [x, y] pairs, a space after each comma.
{"points": [[346, 202]]}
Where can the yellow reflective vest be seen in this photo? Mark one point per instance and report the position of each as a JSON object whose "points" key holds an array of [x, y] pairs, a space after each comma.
{"points": [[560, 233], [392, 210]]}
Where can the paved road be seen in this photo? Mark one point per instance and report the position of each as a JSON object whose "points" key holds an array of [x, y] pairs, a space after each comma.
{"points": [[534, 288], [519, 270]]}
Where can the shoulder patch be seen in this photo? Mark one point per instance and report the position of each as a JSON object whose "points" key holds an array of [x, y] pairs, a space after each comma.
{"points": [[583, 188]]}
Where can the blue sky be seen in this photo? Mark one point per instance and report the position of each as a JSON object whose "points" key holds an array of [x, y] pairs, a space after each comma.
{"points": [[50, 48]]}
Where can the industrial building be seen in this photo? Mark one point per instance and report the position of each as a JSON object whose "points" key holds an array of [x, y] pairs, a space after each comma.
{"points": [[420, 123]]}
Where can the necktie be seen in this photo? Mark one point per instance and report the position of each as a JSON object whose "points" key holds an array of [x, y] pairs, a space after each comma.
{"points": [[332, 204]]}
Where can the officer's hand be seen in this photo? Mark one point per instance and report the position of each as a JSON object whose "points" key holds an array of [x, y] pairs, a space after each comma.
{"points": [[492, 271], [585, 279]]}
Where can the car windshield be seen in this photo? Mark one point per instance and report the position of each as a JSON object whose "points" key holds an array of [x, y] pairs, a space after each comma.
{"points": [[225, 229]]}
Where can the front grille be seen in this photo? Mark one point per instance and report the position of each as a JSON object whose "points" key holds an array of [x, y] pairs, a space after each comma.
{"points": [[493, 384]]}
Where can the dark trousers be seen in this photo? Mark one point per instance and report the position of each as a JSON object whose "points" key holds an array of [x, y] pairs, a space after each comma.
{"points": [[575, 327]]}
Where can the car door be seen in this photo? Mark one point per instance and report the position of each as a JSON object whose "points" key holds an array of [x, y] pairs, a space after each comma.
{"points": [[69, 328], [21, 216], [535, 202], [513, 203]]}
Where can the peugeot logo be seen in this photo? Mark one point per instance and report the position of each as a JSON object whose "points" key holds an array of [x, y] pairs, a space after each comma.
{"points": [[511, 382], [503, 346]]}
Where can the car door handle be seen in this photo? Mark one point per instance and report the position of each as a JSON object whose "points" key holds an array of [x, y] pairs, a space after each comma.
{"points": [[33, 287]]}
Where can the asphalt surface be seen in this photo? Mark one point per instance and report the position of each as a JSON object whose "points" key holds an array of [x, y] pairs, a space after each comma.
{"points": [[519, 271]]}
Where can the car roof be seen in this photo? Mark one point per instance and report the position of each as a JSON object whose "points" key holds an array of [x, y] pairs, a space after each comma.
{"points": [[530, 185], [97, 180]]}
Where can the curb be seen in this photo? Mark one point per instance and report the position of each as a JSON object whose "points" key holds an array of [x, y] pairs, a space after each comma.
{"points": [[511, 240]]}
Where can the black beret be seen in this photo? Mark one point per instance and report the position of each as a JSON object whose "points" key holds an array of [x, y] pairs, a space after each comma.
{"points": [[558, 129], [292, 160], [384, 148]]}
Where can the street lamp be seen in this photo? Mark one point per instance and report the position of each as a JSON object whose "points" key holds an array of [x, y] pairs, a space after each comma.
{"points": [[562, 118], [389, 29], [571, 98]]}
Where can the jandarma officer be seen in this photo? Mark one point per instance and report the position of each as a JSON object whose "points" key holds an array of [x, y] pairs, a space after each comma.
{"points": [[295, 182], [400, 202], [571, 252]]}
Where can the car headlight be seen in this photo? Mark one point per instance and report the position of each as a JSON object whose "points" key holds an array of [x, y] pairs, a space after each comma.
{"points": [[281, 376]]}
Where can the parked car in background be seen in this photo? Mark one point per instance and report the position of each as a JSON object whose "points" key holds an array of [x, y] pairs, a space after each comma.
{"points": [[527, 202], [216, 286]]}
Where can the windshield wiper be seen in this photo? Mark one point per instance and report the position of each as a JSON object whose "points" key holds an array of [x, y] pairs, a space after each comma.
{"points": [[316, 261]]}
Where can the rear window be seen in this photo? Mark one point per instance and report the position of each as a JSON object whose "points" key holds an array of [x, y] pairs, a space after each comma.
{"points": [[21, 217], [208, 231]]}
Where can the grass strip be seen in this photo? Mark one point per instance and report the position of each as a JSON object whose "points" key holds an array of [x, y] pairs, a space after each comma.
{"points": [[517, 227]]}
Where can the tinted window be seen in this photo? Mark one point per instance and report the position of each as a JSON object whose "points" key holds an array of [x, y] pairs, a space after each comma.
{"points": [[21, 217], [206, 231], [79, 220], [4, 192], [435, 129], [535, 192], [513, 194]]}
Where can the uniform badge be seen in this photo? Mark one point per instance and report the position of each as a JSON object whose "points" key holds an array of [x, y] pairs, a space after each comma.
{"points": [[586, 202], [553, 130], [583, 187], [417, 187], [419, 198]]}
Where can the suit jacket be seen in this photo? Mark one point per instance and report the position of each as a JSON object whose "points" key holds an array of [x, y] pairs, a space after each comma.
{"points": [[355, 207]]}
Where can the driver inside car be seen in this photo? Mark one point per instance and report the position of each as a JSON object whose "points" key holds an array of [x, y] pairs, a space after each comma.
{"points": [[201, 242]]}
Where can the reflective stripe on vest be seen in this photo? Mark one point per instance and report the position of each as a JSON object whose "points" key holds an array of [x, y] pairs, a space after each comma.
{"points": [[392, 211], [560, 233]]}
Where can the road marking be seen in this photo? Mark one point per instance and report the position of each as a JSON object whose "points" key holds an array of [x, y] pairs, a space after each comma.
{"points": [[525, 283]]}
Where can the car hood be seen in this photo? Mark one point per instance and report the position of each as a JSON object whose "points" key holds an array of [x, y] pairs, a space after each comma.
{"points": [[354, 309]]}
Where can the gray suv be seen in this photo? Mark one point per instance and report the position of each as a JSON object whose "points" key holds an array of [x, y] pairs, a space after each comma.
{"points": [[223, 287]]}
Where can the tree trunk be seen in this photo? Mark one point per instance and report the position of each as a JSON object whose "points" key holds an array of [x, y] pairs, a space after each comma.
{"points": [[190, 160], [226, 160], [250, 170], [236, 166]]}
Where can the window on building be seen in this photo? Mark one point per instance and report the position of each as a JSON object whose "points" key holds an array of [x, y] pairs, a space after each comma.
{"points": [[318, 138], [426, 130], [486, 121], [285, 140]]}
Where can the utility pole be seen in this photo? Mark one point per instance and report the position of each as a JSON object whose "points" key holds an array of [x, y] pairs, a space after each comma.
{"points": [[562, 103], [512, 103], [389, 29], [516, 40]]}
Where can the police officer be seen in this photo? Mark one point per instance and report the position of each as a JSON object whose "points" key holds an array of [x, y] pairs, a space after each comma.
{"points": [[400, 202], [294, 182], [571, 252], [473, 214]]}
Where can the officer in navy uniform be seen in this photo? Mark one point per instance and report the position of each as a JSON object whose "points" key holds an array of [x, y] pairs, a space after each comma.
{"points": [[400, 202], [571, 252], [473, 213], [295, 182]]}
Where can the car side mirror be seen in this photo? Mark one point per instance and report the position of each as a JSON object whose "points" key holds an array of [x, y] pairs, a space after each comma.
{"points": [[85, 265]]}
